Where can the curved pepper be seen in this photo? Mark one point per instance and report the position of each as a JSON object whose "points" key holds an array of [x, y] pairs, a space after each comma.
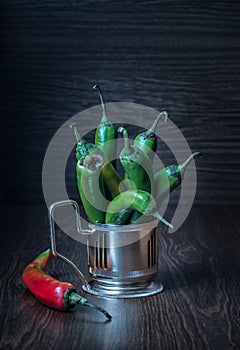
{"points": [[50, 291], [91, 187], [120, 218], [170, 177], [137, 218], [139, 200], [137, 166], [147, 140], [111, 177], [106, 131]]}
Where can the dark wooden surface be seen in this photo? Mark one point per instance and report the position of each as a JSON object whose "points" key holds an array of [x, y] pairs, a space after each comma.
{"points": [[199, 308], [182, 56]]}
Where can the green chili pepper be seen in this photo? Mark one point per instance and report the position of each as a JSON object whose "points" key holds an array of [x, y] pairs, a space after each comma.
{"points": [[170, 177], [147, 140], [139, 200], [111, 180], [137, 218], [110, 176], [106, 132], [91, 187], [129, 216], [120, 218], [137, 166], [83, 148]]}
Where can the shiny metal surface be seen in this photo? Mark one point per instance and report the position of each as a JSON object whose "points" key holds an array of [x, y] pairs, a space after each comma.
{"points": [[123, 260], [133, 291]]}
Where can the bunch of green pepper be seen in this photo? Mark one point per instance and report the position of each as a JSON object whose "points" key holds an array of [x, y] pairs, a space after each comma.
{"points": [[106, 196]]}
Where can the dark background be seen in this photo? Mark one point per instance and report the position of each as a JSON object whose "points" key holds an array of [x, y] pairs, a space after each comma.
{"points": [[182, 56]]}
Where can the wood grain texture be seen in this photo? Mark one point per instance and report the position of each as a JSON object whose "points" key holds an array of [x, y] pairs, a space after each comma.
{"points": [[199, 308], [181, 56]]}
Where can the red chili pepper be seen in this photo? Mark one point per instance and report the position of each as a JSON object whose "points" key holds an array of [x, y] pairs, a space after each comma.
{"points": [[50, 291]]}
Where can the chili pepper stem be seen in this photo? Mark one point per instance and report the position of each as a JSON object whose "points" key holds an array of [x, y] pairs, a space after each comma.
{"points": [[159, 217], [161, 115], [75, 298], [76, 132], [184, 165], [104, 114], [127, 147], [99, 308]]}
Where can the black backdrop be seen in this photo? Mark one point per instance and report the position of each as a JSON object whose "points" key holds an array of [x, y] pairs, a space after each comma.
{"points": [[182, 56]]}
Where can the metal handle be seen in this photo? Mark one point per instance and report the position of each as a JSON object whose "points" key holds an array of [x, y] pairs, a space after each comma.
{"points": [[79, 229]]}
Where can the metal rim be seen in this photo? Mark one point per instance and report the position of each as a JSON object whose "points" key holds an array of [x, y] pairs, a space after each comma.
{"points": [[111, 293], [128, 228]]}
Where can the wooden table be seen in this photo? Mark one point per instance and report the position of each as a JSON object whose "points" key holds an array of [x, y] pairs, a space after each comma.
{"points": [[199, 266]]}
